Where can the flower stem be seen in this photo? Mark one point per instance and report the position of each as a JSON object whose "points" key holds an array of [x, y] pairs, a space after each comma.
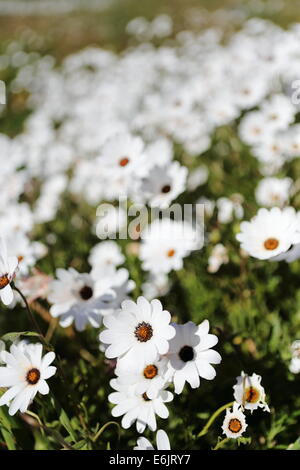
{"points": [[213, 417], [221, 443], [30, 314]]}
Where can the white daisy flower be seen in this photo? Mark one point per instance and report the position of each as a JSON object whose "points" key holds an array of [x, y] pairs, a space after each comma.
{"points": [[116, 282], [190, 355], [139, 408], [273, 191], [146, 378], [270, 232], [218, 256], [162, 442], [162, 184], [106, 254], [294, 366], [25, 375], [249, 393], [75, 299], [234, 424], [139, 332], [8, 266], [165, 243], [121, 153]]}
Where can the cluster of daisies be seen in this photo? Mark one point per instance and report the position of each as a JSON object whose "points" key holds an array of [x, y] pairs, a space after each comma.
{"points": [[249, 394], [153, 353], [104, 126]]}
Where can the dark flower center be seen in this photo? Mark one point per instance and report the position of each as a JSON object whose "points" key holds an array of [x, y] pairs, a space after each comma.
{"points": [[251, 395], [33, 376], [4, 281], [186, 353], [235, 425], [166, 189], [143, 332], [150, 371], [86, 293], [145, 396]]}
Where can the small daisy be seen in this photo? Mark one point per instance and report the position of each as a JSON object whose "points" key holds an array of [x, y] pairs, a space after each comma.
{"points": [[106, 254], [146, 378], [273, 191], [218, 256], [165, 243], [139, 408], [75, 299], [139, 332], [8, 266], [270, 232], [294, 366], [25, 374], [121, 153], [249, 393], [190, 355], [234, 424], [163, 184], [162, 442]]}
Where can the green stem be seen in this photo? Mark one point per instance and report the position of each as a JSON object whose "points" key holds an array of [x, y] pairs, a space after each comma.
{"points": [[103, 429], [213, 418], [221, 443], [30, 314]]}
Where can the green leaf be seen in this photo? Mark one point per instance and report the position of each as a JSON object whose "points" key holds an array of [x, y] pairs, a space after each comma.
{"points": [[64, 420], [6, 429], [295, 446], [16, 335]]}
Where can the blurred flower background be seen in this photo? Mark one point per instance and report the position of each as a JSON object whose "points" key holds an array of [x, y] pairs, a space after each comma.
{"points": [[160, 101]]}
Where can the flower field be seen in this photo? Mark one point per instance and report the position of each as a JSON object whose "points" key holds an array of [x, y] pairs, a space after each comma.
{"points": [[149, 225]]}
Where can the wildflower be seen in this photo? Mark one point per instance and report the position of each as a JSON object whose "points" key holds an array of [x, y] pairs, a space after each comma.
{"points": [[234, 424], [139, 332], [190, 355], [24, 375], [249, 393], [162, 442], [8, 266], [138, 408], [270, 232]]}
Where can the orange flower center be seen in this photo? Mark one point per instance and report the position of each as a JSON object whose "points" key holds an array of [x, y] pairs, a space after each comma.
{"points": [[235, 425], [251, 395], [4, 281], [150, 371], [143, 332], [33, 376], [171, 253], [271, 244], [124, 161]]}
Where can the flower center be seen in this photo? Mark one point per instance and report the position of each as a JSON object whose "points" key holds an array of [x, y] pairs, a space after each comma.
{"points": [[124, 161], [4, 281], [86, 293], [271, 244], [235, 425], [150, 371], [145, 396], [166, 189], [251, 395], [33, 376], [143, 332], [186, 353], [171, 253]]}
